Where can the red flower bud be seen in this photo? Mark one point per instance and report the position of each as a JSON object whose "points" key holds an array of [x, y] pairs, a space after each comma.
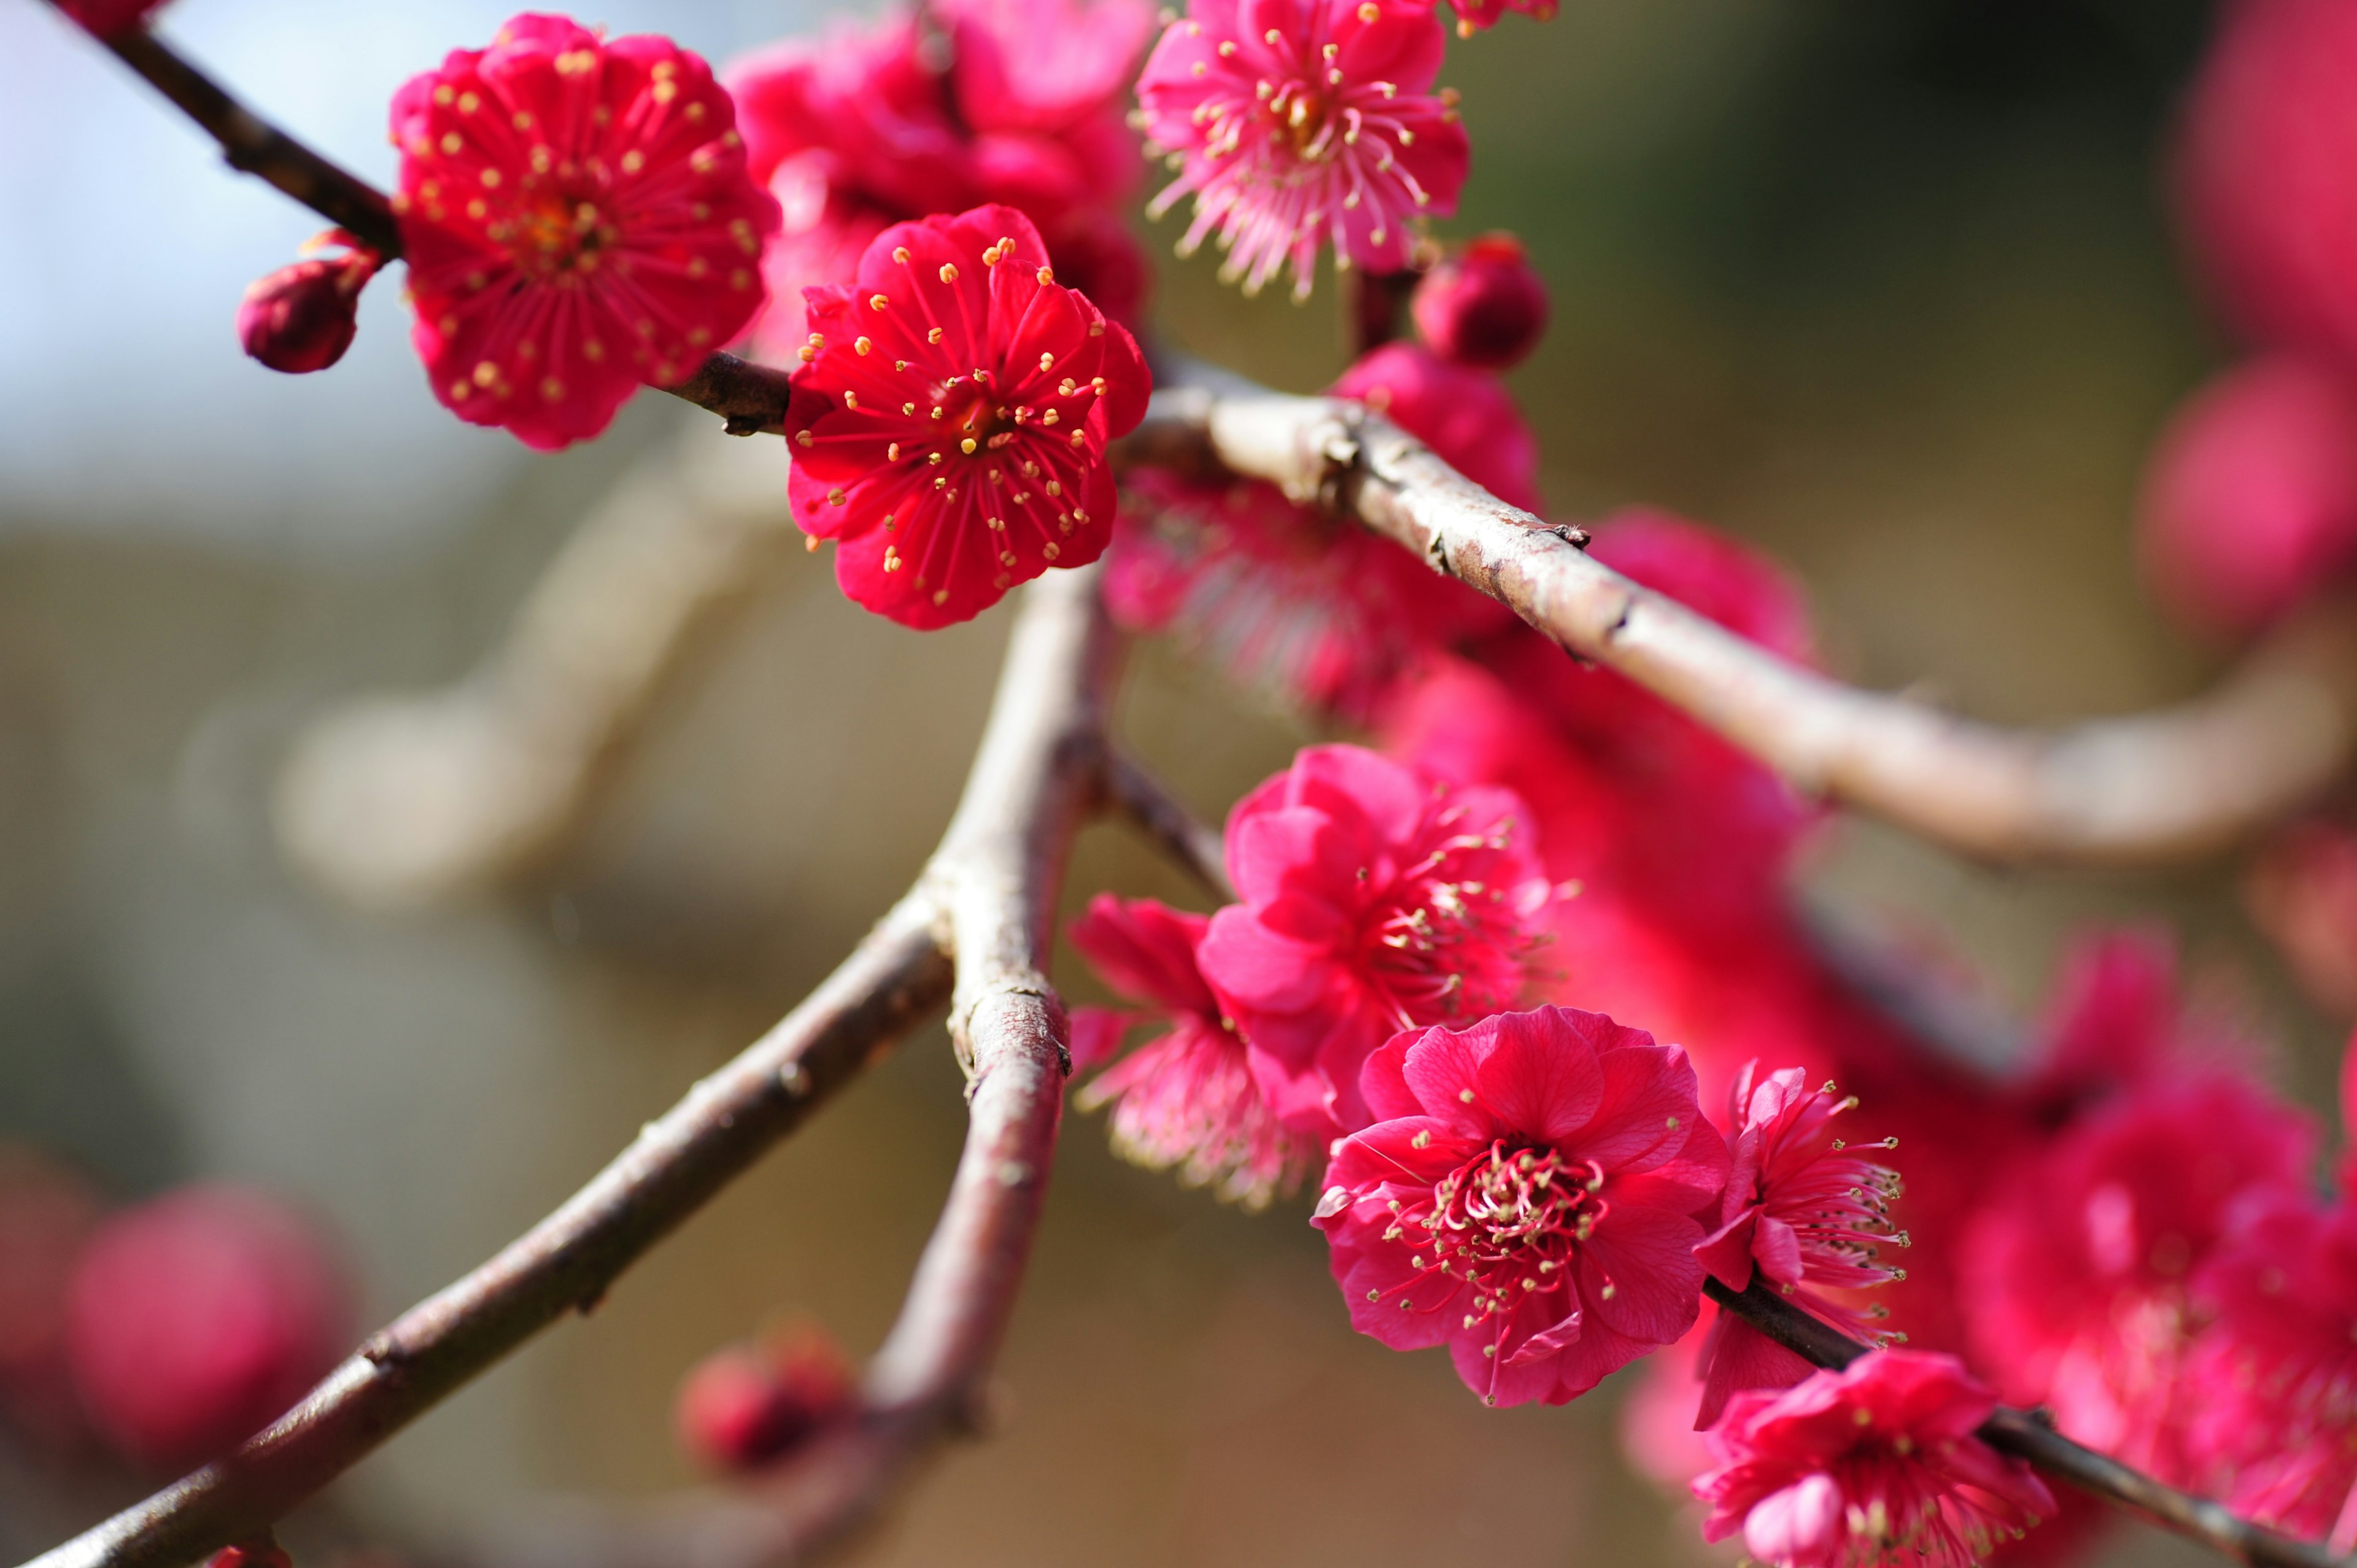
{"points": [[196, 1318], [107, 18], [748, 1405], [1485, 307], [301, 318]]}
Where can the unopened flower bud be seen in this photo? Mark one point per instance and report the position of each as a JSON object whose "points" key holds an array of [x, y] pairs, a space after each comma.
{"points": [[1484, 307], [2250, 501], [105, 18], [301, 318], [747, 1406]]}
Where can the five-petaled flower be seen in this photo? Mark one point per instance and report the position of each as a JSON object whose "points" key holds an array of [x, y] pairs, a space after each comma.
{"points": [[1875, 1464], [1525, 1196], [1374, 900], [578, 220], [954, 443], [1186, 1098], [1298, 121], [1804, 1212]]}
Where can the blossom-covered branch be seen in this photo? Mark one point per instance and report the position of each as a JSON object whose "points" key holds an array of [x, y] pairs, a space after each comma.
{"points": [[988, 895], [2151, 788], [2023, 1434]]}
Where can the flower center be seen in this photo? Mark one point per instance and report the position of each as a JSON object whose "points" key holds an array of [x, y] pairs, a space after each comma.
{"points": [[1305, 116], [553, 233], [1508, 1222], [1445, 943]]}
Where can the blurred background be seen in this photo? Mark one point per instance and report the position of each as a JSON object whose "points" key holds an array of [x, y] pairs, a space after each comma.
{"points": [[1889, 291]]}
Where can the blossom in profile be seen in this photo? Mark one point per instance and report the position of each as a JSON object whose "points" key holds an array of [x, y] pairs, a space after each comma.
{"points": [[1524, 1196], [1804, 1212], [2250, 500], [1868, 1467], [2075, 1272], [876, 123], [1297, 123], [195, 1319], [747, 1406], [1374, 901], [950, 417], [1484, 307], [578, 221], [2275, 1374], [1185, 1099], [1311, 608]]}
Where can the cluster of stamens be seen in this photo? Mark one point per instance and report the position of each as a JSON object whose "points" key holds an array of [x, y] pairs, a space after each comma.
{"points": [[1443, 942], [1507, 1222]]}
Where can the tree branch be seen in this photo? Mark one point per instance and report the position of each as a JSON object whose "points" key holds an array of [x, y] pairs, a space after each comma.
{"points": [[1161, 816], [2027, 1436], [988, 895], [2158, 787], [254, 145]]}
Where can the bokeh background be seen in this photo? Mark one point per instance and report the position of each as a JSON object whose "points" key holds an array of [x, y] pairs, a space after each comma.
{"points": [[1888, 290]]}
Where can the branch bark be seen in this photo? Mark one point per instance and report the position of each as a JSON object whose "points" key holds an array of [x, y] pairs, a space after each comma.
{"points": [[2164, 786], [989, 895], [2024, 1435]]}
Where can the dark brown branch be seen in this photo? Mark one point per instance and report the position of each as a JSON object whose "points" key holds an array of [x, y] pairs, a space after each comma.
{"points": [[989, 893], [253, 145], [1952, 1020], [750, 399], [2026, 1436], [2168, 785], [1151, 807]]}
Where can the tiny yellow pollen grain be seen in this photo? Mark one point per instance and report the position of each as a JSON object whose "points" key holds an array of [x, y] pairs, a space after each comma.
{"points": [[966, 445], [1370, 13], [949, 272], [865, 346], [836, 498], [900, 254], [934, 336]]}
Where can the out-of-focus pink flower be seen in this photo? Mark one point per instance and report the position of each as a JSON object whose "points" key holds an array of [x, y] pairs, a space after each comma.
{"points": [[2302, 891], [263, 1553], [747, 1406], [958, 400], [1875, 1464], [1185, 1099], [1310, 608], [1525, 1196], [2275, 1375], [1473, 16], [1299, 122], [301, 318], [1375, 901], [1017, 102], [107, 18], [1485, 307], [2075, 1272], [2250, 503], [578, 221], [196, 1318], [2268, 191], [2117, 1022], [1805, 1211]]}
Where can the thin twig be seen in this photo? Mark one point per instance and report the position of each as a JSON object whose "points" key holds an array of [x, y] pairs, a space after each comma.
{"points": [[254, 145], [2168, 785], [989, 892], [1955, 1021], [2026, 1436], [1161, 816]]}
